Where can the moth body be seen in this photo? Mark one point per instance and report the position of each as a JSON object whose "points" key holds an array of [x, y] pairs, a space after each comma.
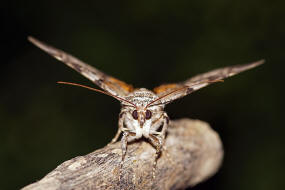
{"points": [[141, 119]]}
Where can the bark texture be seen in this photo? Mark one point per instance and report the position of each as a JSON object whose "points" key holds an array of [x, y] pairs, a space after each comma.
{"points": [[194, 153]]}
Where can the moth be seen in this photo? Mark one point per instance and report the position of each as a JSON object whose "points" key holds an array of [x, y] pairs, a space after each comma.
{"points": [[142, 111]]}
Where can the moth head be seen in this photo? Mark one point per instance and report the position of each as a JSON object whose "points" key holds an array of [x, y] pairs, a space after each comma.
{"points": [[142, 112], [141, 115]]}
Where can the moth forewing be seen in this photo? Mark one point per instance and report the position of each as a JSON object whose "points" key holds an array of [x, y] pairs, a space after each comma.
{"points": [[104, 81], [200, 81]]}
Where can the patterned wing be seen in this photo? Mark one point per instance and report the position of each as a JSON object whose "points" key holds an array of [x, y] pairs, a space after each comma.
{"points": [[108, 83], [170, 92]]}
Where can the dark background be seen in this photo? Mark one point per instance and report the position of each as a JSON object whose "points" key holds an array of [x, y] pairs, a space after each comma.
{"points": [[145, 43]]}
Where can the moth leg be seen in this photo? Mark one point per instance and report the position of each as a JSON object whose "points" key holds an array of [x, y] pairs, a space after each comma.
{"points": [[159, 124], [124, 143], [164, 127], [162, 134], [165, 151], [120, 128], [158, 143], [115, 139]]}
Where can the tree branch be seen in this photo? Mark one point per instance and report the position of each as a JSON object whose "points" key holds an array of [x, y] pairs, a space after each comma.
{"points": [[194, 153]]}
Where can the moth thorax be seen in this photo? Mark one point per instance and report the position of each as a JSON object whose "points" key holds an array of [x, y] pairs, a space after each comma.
{"points": [[141, 97]]}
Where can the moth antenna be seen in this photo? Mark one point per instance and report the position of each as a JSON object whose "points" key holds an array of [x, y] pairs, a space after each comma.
{"points": [[97, 90], [182, 88]]}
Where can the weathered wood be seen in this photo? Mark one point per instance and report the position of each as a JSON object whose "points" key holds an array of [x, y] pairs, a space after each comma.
{"points": [[194, 153]]}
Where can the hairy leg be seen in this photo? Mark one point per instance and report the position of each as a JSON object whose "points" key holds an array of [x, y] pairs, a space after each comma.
{"points": [[158, 144], [124, 143], [157, 139], [120, 127]]}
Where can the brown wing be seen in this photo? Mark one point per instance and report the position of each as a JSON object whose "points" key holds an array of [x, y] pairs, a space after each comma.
{"points": [[108, 83], [171, 92]]}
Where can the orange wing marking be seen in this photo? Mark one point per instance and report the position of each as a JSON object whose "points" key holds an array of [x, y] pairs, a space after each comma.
{"points": [[125, 86], [165, 88]]}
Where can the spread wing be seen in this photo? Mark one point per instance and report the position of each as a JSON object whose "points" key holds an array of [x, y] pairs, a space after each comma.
{"points": [[170, 92], [108, 83]]}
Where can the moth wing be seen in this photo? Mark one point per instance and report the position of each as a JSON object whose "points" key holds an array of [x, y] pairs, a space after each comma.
{"points": [[106, 82], [170, 92]]}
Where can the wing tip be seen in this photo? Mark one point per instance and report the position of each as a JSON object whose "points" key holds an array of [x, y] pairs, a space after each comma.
{"points": [[30, 38], [253, 64], [33, 40], [43, 46], [36, 42], [260, 62]]}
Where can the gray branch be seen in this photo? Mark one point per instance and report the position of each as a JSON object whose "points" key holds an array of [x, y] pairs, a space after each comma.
{"points": [[193, 153]]}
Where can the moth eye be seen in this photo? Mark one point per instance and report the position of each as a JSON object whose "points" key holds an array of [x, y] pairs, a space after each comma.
{"points": [[148, 114], [135, 114]]}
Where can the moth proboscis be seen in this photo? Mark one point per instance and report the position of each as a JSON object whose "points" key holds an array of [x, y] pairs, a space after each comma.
{"points": [[142, 111]]}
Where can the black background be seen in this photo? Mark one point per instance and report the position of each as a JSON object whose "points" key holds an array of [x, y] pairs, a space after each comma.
{"points": [[144, 43]]}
